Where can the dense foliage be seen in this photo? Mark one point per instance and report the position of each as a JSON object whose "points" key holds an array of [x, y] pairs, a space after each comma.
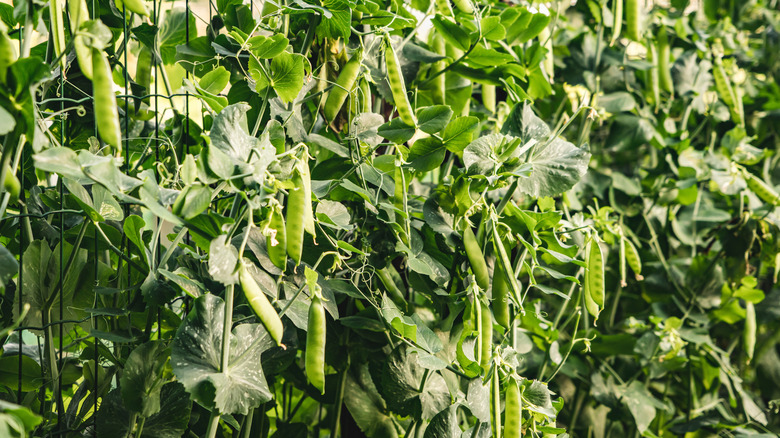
{"points": [[389, 219]]}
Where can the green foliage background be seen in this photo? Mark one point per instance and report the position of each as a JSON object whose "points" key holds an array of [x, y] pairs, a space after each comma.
{"points": [[578, 231]]}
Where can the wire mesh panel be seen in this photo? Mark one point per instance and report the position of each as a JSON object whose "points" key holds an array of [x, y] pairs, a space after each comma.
{"points": [[386, 218]]}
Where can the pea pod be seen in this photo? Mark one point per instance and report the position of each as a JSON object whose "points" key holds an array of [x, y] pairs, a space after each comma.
{"points": [[79, 14], [12, 184], [632, 257], [344, 84], [617, 20], [397, 86], [439, 84], [134, 6], [465, 6], [594, 279], [500, 297], [486, 336], [57, 30], [512, 409], [106, 113], [664, 53], [260, 305], [276, 241], [143, 68], [315, 344], [726, 90], [294, 219], [495, 403], [489, 97], [763, 190], [652, 78], [444, 8], [476, 258], [365, 96], [633, 13], [7, 53], [749, 332]]}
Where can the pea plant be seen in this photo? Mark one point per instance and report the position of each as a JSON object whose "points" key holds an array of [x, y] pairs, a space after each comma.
{"points": [[389, 219]]}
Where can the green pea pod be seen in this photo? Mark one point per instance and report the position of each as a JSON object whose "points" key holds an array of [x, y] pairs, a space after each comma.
{"points": [[308, 211], [489, 97], [143, 68], [7, 53], [365, 96], [465, 6], [617, 20], [623, 282], [664, 53], [726, 90], [443, 7], [653, 79], [260, 305], [500, 297], [134, 6], [545, 38], [513, 409], [106, 113], [391, 285], [344, 84], [12, 184], [763, 190], [594, 279], [57, 29], [476, 258], [749, 333], [294, 218], [486, 336], [439, 82], [79, 14], [315, 344], [633, 13], [632, 257], [276, 241], [397, 86], [495, 403]]}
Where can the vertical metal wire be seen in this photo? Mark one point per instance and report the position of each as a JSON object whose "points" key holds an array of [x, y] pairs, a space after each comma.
{"points": [[19, 288], [60, 404], [95, 380]]}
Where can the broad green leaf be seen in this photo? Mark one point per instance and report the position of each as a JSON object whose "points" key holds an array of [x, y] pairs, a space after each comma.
{"points": [[399, 378], [556, 164], [223, 261], [114, 419], [365, 405], [426, 154], [459, 133], [196, 359], [451, 32], [433, 119], [396, 131], [537, 398], [492, 28], [9, 267], [287, 75], [445, 424], [267, 47], [215, 81], [338, 24], [16, 419], [482, 57], [142, 378]]}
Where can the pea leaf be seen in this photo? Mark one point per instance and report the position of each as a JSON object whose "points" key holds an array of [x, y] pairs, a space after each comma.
{"points": [[366, 405], [451, 32], [142, 379], [445, 424], [433, 119], [267, 47], [8, 265], [399, 379], [196, 360], [556, 163], [287, 75], [337, 25], [114, 419]]}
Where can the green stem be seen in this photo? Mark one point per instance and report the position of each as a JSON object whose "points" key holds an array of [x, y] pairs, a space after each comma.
{"points": [[211, 432]]}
